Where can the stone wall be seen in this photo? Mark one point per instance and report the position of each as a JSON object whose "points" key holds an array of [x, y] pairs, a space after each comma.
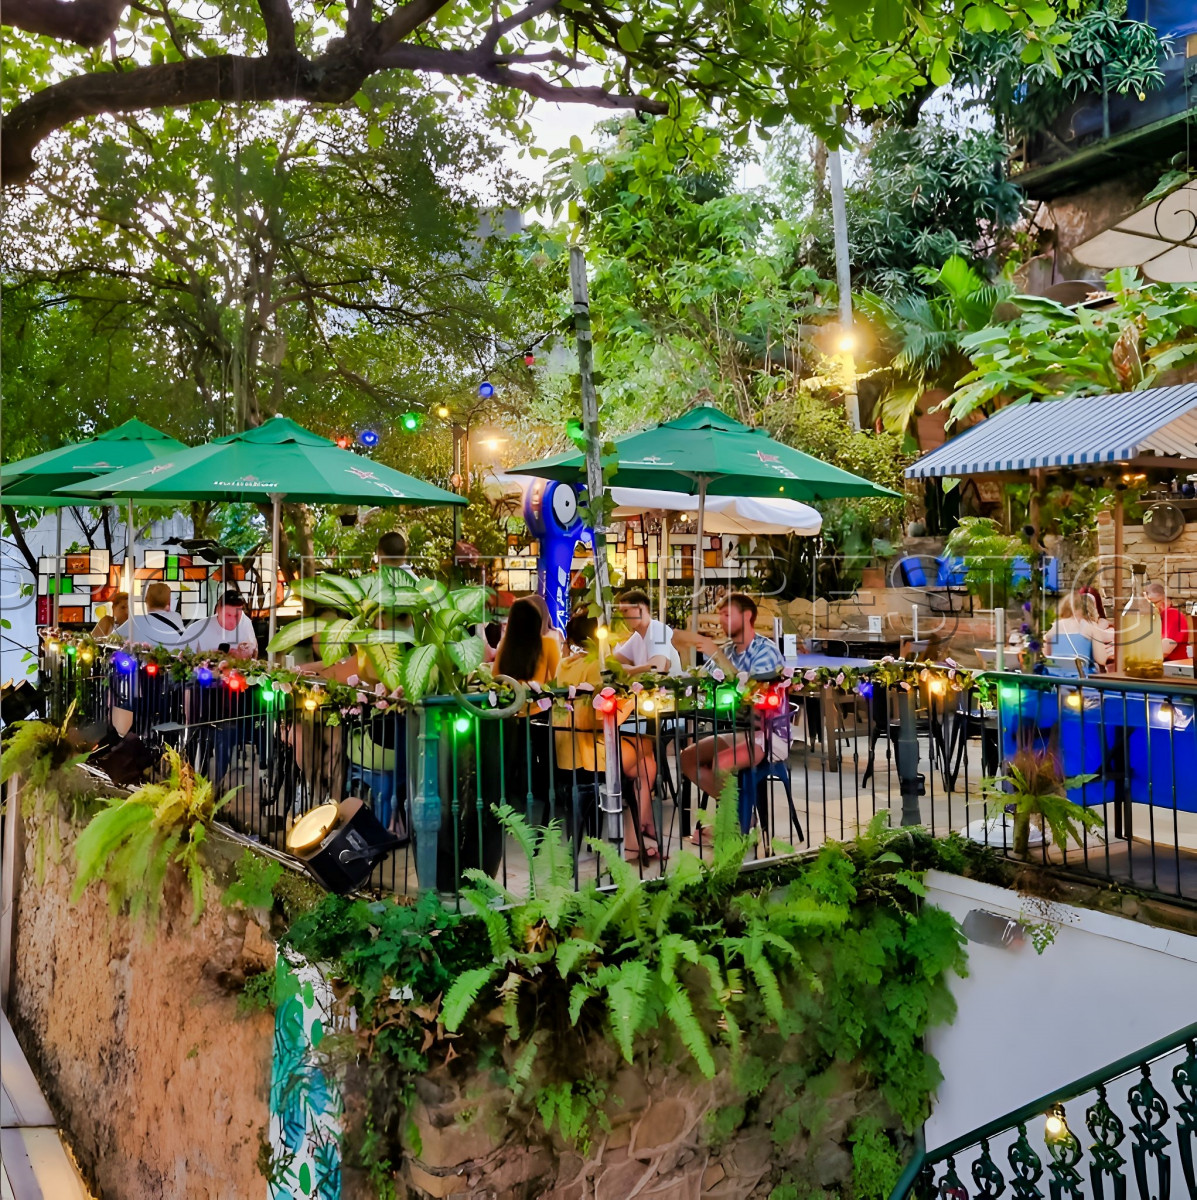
{"points": [[667, 1136], [159, 1086], [1174, 564]]}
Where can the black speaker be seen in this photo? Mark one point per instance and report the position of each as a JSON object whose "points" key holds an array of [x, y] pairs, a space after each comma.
{"points": [[351, 850]]}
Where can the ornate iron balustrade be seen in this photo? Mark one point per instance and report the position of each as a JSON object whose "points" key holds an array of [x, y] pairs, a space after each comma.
{"points": [[1140, 1115]]}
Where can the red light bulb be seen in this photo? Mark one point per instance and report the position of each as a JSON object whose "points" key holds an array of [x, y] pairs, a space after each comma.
{"points": [[151, 668], [529, 358], [343, 442], [235, 681]]}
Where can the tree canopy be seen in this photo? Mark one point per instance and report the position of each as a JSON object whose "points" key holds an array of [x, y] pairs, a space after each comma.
{"points": [[761, 61]]}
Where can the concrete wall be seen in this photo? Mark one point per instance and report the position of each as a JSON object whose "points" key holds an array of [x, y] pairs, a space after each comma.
{"points": [[1028, 1023]]}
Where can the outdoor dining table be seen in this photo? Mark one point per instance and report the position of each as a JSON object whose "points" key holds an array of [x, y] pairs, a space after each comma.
{"points": [[872, 645]]}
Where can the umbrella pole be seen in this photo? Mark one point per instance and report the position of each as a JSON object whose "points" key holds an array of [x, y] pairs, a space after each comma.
{"points": [[277, 502], [57, 561], [698, 554], [663, 567], [129, 562]]}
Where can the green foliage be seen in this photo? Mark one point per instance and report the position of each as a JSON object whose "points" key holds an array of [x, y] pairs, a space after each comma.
{"points": [[254, 884], [876, 1164], [1026, 77], [132, 841], [988, 556], [45, 756], [920, 196], [773, 981], [1052, 352], [387, 610], [1032, 782]]}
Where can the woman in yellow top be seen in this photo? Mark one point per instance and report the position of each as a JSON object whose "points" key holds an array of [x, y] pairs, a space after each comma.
{"points": [[581, 746], [525, 653]]}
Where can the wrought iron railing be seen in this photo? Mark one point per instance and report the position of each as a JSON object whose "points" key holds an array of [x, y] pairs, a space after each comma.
{"points": [[435, 775], [1130, 750], [1140, 1114]]}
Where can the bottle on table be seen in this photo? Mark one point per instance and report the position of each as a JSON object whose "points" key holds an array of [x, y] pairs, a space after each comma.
{"points": [[1139, 634]]}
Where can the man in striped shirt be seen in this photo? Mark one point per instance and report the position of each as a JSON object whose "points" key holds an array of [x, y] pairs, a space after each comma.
{"points": [[708, 760]]}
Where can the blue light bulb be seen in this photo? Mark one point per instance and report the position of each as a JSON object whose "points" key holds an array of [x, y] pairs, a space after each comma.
{"points": [[368, 438], [486, 389]]}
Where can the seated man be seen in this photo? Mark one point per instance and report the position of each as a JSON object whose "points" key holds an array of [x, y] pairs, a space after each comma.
{"points": [[706, 761], [160, 626], [227, 631], [650, 646], [1174, 625]]}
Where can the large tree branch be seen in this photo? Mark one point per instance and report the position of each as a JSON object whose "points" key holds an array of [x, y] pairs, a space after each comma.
{"points": [[283, 74], [280, 25], [85, 22], [403, 21]]}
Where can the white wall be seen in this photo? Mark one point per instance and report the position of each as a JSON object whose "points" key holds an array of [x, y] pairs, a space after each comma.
{"points": [[1028, 1023]]}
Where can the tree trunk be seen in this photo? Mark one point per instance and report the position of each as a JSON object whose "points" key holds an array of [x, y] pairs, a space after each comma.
{"points": [[303, 546], [1022, 834], [822, 197], [18, 536]]}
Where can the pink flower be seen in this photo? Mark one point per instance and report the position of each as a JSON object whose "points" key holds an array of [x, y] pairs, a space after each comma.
{"points": [[534, 685], [637, 686], [545, 702], [491, 698], [717, 675], [362, 698], [742, 678], [573, 691], [353, 681], [585, 687], [285, 688], [811, 675], [951, 662], [381, 704], [380, 689], [839, 680]]}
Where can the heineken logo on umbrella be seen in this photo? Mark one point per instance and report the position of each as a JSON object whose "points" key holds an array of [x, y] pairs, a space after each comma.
{"points": [[362, 474], [768, 458], [244, 481]]}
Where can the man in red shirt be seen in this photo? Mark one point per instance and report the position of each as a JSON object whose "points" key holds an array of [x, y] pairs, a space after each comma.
{"points": [[1174, 625]]}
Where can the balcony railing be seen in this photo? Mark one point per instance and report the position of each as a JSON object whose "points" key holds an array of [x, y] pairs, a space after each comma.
{"points": [[906, 740]]}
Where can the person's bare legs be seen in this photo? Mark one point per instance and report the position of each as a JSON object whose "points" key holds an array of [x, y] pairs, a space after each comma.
{"points": [[640, 765], [707, 762]]}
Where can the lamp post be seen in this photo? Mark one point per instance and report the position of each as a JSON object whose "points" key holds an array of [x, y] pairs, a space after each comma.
{"points": [[843, 279]]}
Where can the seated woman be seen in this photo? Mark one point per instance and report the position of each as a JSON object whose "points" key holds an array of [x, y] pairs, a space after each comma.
{"points": [[107, 625], [526, 652], [1076, 632], [581, 746]]}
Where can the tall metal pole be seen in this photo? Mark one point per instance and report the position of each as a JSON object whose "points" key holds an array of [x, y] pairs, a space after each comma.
{"points": [[57, 565], [272, 583], [594, 445], [843, 280], [612, 794]]}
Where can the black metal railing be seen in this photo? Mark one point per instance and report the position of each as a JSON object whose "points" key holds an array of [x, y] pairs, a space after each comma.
{"points": [[434, 776], [1125, 751], [1140, 1114]]}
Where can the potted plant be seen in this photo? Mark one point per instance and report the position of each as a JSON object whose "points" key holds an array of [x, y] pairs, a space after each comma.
{"points": [[1032, 784], [989, 557]]}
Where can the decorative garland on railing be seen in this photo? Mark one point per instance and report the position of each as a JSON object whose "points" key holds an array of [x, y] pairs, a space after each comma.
{"points": [[694, 688]]}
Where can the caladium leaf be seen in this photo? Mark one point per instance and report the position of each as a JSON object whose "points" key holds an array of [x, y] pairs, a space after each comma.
{"points": [[471, 602], [467, 654], [418, 672], [296, 632]]}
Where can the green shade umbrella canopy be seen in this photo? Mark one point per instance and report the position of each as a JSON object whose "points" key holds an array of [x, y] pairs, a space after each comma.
{"points": [[276, 459], [128, 445], [708, 452]]}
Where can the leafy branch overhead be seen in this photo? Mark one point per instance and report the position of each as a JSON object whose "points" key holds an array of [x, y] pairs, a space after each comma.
{"points": [[762, 62]]}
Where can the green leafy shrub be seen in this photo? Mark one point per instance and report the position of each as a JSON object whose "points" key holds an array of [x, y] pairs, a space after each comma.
{"points": [[132, 841], [254, 884], [773, 981]]}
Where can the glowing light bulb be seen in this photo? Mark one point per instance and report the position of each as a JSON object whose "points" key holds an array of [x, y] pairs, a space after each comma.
{"points": [[846, 343], [1054, 1126], [310, 703], [602, 633], [151, 668], [203, 676], [937, 687], [442, 411], [648, 705], [86, 655], [1073, 700], [462, 724], [53, 647], [235, 681], [486, 389], [70, 651]]}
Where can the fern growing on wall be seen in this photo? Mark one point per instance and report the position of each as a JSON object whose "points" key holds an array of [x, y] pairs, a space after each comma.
{"points": [[131, 843]]}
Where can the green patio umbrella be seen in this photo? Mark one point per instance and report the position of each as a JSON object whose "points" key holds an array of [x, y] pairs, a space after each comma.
{"points": [[707, 453], [276, 461], [33, 481]]}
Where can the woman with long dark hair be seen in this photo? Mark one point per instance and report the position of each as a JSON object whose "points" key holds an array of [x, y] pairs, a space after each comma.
{"points": [[525, 653]]}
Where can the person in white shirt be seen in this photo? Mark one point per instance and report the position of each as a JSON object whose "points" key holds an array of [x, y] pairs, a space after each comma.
{"points": [[228, 631], [159, 626], [650, 646]]}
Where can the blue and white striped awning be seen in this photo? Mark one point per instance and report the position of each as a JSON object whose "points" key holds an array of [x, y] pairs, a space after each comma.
{"points": [[1121, 427]]}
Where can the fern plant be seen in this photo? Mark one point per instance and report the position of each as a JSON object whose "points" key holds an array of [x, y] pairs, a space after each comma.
{"points": [[46, 757], [1033, 783], [132, 842]]}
